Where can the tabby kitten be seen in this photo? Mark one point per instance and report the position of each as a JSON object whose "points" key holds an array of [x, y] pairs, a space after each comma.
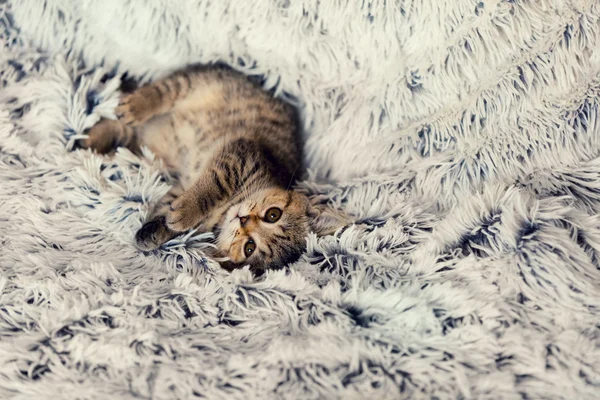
{"points": [[236, 151]]}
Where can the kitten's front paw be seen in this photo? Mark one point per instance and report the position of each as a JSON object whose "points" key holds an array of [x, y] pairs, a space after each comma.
{"points": [[152, 235], [136, 108], [184, 214]]}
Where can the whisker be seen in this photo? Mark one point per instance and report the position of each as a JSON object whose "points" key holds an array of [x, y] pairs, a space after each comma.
{"points": [[292, 177]]}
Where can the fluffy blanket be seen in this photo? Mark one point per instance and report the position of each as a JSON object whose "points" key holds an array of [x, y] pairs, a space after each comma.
{"points": [[462, 134]]}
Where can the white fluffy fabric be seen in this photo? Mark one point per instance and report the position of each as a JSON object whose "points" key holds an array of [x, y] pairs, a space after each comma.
{"points": [[464, 135]]}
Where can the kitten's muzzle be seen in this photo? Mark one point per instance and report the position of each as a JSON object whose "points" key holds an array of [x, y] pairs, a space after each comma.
{"points": [[243, 220]]}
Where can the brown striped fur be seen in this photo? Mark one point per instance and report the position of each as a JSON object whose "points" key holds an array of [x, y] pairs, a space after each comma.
{"points": [[236, 151]]}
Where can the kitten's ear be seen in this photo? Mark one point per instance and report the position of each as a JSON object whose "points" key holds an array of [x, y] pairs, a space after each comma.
{"points": [[324, 220]]}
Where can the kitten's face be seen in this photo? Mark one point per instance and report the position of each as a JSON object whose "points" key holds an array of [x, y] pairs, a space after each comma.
{"points": [[267, 230]]}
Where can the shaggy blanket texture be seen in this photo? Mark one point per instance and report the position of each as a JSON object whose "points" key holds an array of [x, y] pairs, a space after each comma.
{"points": [[462, 134]]}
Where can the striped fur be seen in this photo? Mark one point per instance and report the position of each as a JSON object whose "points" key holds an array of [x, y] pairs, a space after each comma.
{"points": [[236, 151]]}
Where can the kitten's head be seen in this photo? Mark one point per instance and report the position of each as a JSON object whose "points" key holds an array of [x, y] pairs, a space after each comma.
{"points": [[268, 229]]}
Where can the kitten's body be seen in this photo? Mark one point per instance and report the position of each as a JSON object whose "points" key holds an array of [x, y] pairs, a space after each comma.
{"points": [[235, 150]]}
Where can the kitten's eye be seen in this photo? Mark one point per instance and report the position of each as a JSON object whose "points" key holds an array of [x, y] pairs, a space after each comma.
{"points": [[272, 215], [249, 248]]}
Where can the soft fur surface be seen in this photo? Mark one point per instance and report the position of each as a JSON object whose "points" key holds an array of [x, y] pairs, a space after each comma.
{"points": [[463, 134]]}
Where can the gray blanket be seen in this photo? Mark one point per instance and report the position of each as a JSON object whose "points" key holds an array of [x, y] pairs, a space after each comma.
{"points": [[462, 134]]}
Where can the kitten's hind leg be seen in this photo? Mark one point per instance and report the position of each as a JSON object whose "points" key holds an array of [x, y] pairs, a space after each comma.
{"points": [[190, 89], [157, 98], [138, 107], [109, 134]]}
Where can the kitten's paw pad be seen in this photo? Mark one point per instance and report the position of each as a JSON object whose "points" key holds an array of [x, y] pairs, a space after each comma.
{"points": [[151, 235], [183, 215], [136, 108]]}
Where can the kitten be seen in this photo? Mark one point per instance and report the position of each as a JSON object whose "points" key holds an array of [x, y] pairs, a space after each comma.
{"points": [[236, 150]]}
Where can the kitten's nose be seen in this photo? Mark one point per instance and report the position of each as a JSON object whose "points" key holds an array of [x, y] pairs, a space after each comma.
{"points": [[243, 220]]}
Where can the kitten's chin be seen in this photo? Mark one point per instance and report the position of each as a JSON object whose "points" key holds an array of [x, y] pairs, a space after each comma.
{"points": [[222, 258]]}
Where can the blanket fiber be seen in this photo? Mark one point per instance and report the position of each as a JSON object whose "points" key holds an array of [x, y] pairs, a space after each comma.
{"points": [[464, 135]]}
